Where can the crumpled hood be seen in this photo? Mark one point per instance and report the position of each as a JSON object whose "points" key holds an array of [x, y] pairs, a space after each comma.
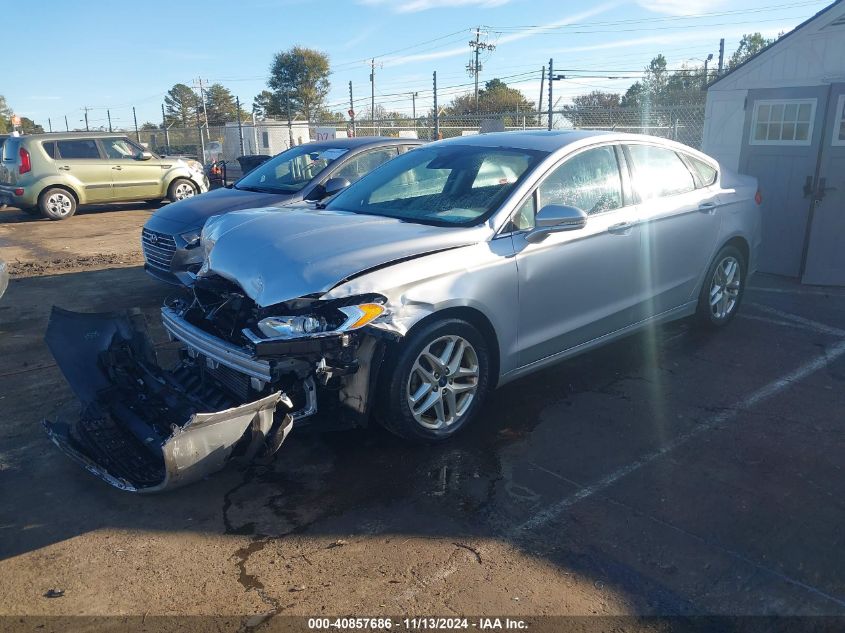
{"points": [[276, 257], [194, 211]]}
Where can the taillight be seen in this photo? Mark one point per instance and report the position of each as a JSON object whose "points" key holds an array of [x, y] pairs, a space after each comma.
{"points": [[758, 197], [25, 165]]}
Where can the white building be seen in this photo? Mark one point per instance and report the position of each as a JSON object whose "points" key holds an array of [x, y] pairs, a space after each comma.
{"points": [[780, 116]]}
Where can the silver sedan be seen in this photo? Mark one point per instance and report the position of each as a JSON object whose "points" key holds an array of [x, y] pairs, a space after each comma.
{"points": [[452, 269]]}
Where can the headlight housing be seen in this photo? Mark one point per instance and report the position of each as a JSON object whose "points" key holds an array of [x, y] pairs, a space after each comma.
{"points": [[343, 319], [194, 165]]}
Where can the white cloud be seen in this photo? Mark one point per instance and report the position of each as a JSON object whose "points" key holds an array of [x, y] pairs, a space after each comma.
{"points": [[682, 7], [413, 6], [506, 39]]}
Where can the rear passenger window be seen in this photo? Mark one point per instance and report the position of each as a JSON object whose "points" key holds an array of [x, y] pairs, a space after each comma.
{"points": [[78, 148], [706, 174], [589, 181], [50, 148], [659, 172]]}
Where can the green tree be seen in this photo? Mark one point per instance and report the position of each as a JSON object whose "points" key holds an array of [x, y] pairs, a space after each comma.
{"points": [[220, 105], [150, 126], [749, 45], [598, 99], [180, 106], [303, 75], [265, 105], [28, 126], [496, 97], [5, 115]]}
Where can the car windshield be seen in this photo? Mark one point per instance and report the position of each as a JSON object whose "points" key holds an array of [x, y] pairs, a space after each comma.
{"points": [[291, 170], [444, 185]]}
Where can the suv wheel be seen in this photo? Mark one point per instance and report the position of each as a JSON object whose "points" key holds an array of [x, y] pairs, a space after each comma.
{"points": [[722, 290], [57, 204], [180, 189], [436, 381]]}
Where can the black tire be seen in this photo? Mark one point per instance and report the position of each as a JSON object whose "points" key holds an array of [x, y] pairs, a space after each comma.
{"points": [[57, 203], [710, 316], [174, 191], [393, 410]]}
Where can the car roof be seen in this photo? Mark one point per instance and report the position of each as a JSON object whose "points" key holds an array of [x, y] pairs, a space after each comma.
{"points": [[63, 136], [362, 141], [554, 140]]}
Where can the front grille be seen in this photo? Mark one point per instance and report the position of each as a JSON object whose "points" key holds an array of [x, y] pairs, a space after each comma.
{"points": [[237, 383], [158, 249]]}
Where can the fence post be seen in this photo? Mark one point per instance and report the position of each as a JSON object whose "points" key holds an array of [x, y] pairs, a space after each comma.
{"points": [[202, 140], [436, 111], [254, 134], [290, 125], [551, 82], [164, 127], [240, 125], [352, 110]]}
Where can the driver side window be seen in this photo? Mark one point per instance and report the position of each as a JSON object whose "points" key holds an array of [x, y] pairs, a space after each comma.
{"points": [[589, 181], [120, 148]]}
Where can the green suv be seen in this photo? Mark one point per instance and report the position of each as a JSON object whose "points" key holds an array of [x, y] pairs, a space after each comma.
{"points": [[52, 174]]}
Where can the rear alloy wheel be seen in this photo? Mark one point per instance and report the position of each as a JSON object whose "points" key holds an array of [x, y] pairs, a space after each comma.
{"points": [[437, 381], [180, 189], [57, 204], [723, 288]]}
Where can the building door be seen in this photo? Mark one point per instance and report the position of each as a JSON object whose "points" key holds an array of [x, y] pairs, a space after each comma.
{"points": [[781, 144], [825, 258]]}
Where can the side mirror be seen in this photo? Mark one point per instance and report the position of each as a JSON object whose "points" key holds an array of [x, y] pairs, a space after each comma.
{"points": [[335, 185], [555, 218], [143, 156]]}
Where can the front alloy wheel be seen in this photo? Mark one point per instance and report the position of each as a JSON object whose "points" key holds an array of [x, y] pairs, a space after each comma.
{"points": [[183, 190], [443, 382], [434, 382]]}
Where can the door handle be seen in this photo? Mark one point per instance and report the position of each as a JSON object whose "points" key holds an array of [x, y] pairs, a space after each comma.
{"points": [[117, 167], [808, 187], [823, 189], [64, 168], [621, 227], [707, 207]]}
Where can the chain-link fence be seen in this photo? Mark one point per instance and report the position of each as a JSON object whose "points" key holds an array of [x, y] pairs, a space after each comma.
{"points": [[681, 123]]}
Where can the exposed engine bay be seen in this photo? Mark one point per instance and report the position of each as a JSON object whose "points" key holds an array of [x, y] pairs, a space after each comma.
{"points": [[244, 376]]}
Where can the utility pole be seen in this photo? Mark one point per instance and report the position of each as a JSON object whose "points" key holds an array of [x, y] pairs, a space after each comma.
{"points": [[373, 95], [135, 118], [202, 99], [721, 56], [436, 111], [352, 110], [67, 127], [202, 140], [414, 96], [240, 126], [86, 108], [474, 67], [290, 125], [49, 124], [108, 115], [540, 102]]}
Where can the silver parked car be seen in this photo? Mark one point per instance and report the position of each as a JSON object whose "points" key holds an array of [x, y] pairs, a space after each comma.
{"points": [[447, 271]]}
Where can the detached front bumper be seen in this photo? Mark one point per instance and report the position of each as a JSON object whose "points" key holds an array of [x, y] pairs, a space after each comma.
{"points": [[147, 429]]}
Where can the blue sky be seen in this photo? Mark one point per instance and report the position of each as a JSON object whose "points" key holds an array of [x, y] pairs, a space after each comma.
{"points": [[119, 54]]}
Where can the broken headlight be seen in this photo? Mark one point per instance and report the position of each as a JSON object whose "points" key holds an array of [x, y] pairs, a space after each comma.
{"points": [[350, 317]]}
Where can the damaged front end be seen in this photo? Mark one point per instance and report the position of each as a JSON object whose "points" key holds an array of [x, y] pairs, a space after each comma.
{"points": [[243, 378]]}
